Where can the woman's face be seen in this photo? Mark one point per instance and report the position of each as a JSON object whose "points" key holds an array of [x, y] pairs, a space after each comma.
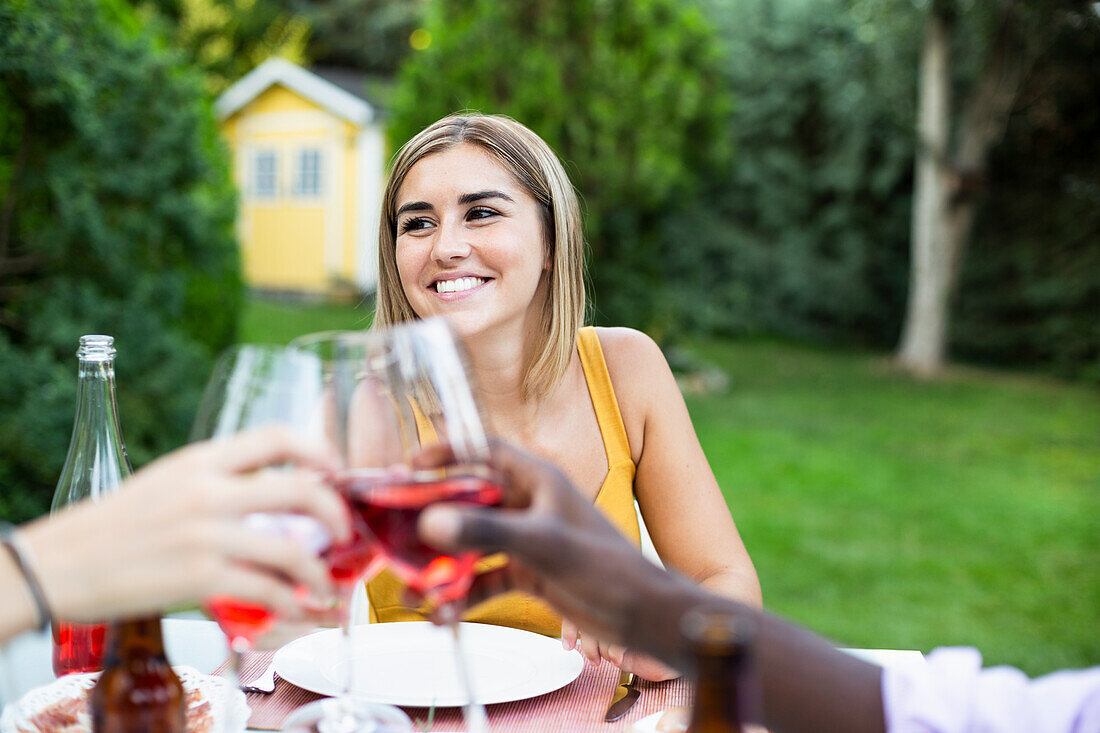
{"points": [[470, 245]]}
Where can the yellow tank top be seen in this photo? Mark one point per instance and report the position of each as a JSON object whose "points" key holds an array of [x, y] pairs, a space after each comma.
{"points": [[615, 499]]}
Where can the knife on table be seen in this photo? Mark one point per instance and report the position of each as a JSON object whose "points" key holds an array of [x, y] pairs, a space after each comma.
{"points": [[626, 694]]}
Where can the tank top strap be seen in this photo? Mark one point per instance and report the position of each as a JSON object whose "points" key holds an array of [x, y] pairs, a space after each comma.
{"points": [[603, 397], [424, 427]]}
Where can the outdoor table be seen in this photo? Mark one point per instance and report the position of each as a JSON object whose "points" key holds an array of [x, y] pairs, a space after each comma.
{"points": [[578, 706]]}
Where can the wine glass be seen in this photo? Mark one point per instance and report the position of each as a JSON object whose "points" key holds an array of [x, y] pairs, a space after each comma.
{"points": [[350, 563], [254, 385], [401, 390]]}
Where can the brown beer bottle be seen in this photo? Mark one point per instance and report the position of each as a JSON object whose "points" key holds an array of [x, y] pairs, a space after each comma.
{"points": [[725, 690], [138, 691]]}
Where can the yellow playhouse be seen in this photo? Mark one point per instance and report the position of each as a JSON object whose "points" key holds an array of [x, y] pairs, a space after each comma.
{"points": [[308, 160]]}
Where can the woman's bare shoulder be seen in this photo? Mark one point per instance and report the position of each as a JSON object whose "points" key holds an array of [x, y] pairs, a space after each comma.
{"points": [[637, 367], [629, 350]]}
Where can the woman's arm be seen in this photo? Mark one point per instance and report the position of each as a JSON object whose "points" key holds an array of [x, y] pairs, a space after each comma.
{"points": [[680, 500]]}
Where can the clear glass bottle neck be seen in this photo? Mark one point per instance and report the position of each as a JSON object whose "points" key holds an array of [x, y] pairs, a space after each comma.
{"points": [[96, 462]]}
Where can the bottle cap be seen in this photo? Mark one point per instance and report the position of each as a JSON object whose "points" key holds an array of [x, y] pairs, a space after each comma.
{"points": [[96, 347], [716, 626]]}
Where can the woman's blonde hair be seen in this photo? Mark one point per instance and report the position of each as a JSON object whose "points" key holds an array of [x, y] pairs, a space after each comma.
{"points": [[540, 173]]}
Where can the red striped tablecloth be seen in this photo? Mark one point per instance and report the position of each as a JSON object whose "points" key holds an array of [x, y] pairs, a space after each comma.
{"points": [[579, 706]]}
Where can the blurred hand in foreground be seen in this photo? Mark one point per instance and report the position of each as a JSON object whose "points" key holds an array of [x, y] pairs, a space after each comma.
{"points": [[175, 533]]}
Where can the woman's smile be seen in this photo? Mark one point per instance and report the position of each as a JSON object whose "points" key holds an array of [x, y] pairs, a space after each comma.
{"points": [[449, 287]]}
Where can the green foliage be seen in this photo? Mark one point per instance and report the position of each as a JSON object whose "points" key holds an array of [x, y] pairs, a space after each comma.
{"points": [[1030, 286], [369, 35], [226, 39], [117, 217], [807, 234], [627, 92]]}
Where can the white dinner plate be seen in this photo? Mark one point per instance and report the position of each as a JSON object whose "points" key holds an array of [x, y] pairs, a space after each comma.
{"points": [[648, 724], [412, 663]]}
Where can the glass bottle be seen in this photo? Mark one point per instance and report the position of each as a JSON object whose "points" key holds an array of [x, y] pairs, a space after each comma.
{"points": [[138, 692], [96, 464], [725, 693]]}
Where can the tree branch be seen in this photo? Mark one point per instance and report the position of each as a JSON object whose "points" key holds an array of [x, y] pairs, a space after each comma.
{"points": [[21, 265], [11, 292], [7, 212], [1012, 53]]}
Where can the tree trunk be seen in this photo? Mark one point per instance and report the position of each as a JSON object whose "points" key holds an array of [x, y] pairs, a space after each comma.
{"points": [[946, 194], [924, 333]]}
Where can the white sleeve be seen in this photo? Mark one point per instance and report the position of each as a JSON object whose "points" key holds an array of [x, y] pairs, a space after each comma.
{"points": [[953, 694]]}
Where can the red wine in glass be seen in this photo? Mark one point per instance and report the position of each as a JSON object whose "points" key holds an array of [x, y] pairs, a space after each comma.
{"points": [[78, 647], [348, 562], [240, 619], [391, 506]]}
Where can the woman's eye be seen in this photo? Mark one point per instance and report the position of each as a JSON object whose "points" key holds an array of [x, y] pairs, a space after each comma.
{"points": [[413, 224], [480, 212]]}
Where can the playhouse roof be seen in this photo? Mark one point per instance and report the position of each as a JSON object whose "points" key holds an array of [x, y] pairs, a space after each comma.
{"points": [[333, 89]]}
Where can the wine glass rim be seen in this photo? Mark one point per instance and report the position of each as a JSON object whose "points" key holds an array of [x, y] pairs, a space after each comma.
{"points": [[258, 346], [243, 372], [373, 332], [262, 350], [392, 475], [335, 334]]}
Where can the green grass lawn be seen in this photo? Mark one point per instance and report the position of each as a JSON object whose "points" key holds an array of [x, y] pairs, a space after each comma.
{"points": [[887, 512], [277, 322]]}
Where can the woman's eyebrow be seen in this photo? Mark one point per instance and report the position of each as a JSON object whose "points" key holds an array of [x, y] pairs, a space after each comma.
{"points": [[414, 206], [469, 198]]}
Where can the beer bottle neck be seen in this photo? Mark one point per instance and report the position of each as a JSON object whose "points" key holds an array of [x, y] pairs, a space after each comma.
{"points": [[722, 647], [134, 639], [717, 692]]}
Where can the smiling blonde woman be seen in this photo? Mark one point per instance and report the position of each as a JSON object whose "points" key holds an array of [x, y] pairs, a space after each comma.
{"points": [[481, 225]]}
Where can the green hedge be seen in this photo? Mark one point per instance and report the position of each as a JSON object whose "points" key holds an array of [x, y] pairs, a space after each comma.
{"points": [[121, 222]]}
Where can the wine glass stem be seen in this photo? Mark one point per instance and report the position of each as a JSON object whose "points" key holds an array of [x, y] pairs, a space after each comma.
{"points": [[340, 717], [473, 712], [347, 599], [237, 648]]}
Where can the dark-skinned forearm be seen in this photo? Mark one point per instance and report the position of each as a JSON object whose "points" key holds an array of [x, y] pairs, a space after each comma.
{"points": [[806, 684], [809, 685]]}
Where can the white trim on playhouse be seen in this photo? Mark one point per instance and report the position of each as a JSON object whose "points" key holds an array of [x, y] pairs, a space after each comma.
{"points": [[280, 71]]}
